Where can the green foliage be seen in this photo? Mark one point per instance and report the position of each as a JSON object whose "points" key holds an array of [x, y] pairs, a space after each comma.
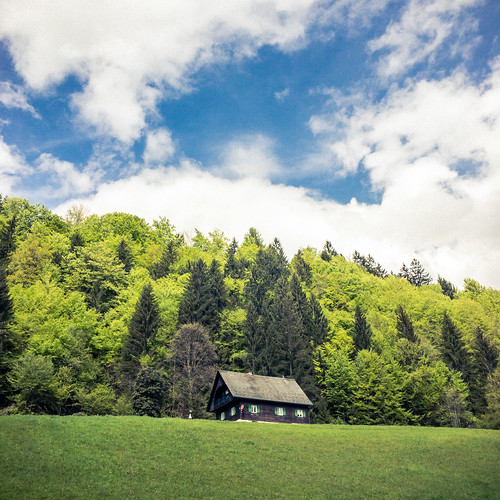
{"points": [[142, 330], [148, 395], [33, 378], [415, 274], [70, 295], [362, 332]]}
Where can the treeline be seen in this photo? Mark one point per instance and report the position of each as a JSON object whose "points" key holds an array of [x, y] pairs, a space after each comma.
{"points": [[111, 315]]}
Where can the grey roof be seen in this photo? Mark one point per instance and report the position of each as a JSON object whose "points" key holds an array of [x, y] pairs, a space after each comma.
{"points": [[248, 386]]}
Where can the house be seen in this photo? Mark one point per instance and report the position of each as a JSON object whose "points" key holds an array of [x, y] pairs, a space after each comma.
{"points": [[244, 396]]}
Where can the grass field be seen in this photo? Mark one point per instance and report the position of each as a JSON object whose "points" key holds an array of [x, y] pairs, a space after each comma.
{"points": [[140, 457]]}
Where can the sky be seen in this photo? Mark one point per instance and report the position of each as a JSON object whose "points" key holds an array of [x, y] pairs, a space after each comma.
{"points": [[373, 124]]}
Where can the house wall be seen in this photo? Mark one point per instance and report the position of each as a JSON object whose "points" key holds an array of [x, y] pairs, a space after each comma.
{"points": [[267, 412]]}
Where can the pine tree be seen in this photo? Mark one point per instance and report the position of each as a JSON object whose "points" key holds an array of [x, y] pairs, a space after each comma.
{"points": [[168, 257], [369, 264], [328, 252], [142, 331], [196, 301], [486, 354], [404, 326], [317, 324], [7, 344], [453, 348], [7, 243], [447, 288], [76, 241], [125, 255], [362, 332], [149, 396], [303, 269], [252, 331], [233, 267], [416, 274]]}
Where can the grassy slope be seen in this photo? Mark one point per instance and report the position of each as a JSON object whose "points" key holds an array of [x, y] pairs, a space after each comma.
{"points": [[139, 457]]}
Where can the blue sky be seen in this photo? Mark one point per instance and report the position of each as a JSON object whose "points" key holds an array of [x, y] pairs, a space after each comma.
{"points": [[371, 123]]}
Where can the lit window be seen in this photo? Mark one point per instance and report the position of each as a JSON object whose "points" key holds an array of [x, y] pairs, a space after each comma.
{"points": [[280, 411], [233, 411], [300, 413], [223, 415]]}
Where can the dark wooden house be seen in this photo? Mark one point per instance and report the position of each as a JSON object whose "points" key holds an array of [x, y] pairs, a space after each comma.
{"points": [[244, 396]]}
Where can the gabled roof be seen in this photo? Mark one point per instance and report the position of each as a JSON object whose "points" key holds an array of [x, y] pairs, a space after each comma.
{"points": [[276, 389]]}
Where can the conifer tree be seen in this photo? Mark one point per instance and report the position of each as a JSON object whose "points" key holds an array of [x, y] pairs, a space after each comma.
{"points": [[168, 257], [317, 324], [233, 267], [486, 354], [149, 396], [142, 331], [303, 269], [196, 301], [7, 241], [7, 344], [404, 326], [125, 255], [362, 332], [453, 348], [415, 274], [328, 251], [76, 241], [448, 288], [252, 331]]}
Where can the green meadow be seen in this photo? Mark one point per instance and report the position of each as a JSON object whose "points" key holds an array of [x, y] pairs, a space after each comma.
{"points": [[141, 457]]}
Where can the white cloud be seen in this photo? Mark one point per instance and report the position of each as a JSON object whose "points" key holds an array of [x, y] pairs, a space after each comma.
{"points": [[63, 179], [12, 168], [432, 150], [128, 54], [250, 156], [159, 146], [423, 28], [282, 95], [13, 96]]}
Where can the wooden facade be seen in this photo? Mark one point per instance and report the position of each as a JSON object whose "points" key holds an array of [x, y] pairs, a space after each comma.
{"points": [[255, 398]]}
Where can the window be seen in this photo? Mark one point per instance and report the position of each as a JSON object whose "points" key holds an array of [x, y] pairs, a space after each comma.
{"points": [[300, 413], [254, 408], [280, 411], [223, 415], [233, 411]]}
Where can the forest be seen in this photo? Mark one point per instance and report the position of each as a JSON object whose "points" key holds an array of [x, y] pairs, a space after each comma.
{"points": [[112, 315]]}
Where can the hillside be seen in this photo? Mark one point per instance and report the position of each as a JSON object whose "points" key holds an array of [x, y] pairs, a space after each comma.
{"points": [[140, 457], [91, 307]]}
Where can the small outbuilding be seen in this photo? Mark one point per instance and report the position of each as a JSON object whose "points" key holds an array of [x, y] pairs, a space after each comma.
{"points": [[256, 398]]}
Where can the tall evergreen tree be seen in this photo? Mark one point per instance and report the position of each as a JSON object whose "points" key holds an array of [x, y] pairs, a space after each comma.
{"points": [[7, 344], [362, 332], [7, 241], [302, 268], [196, 301], [142, 331], [415, 274], [233, 266], [125, 255], [453, 348], [448, 288], [149, 395], [317, 324], [486, 354], [252, 331], [328, 251], [404, 326], [168, 257], [369, 264]]}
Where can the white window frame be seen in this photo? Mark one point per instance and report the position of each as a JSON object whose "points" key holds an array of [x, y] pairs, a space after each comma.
{"points": [[254, 409], [280, 411], [233, 411], [300, 413], [223, 415]]}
